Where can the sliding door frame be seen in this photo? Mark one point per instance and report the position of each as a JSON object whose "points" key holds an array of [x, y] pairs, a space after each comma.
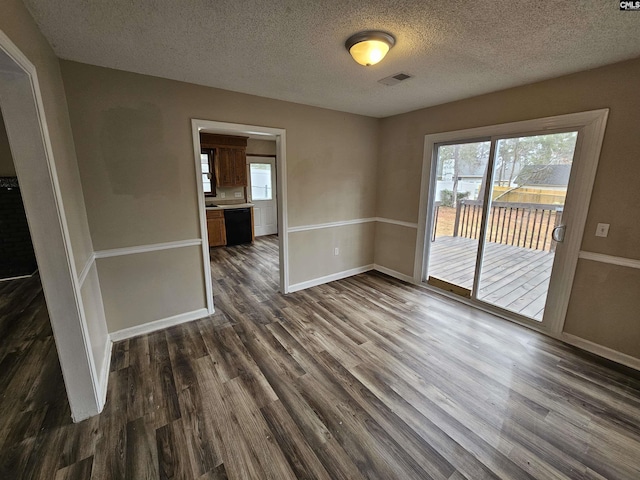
{"points": [[590, 127]]}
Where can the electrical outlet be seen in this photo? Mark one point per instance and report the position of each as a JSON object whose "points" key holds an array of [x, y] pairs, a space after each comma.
{"points": [[238, 194], [221, 194], [602, 230], [336, 251]]}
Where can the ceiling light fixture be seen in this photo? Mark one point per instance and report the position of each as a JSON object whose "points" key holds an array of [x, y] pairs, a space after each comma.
{"points": [[369, 47]]}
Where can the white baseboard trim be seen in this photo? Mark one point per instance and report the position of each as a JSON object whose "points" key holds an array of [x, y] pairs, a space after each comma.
{"points": [[103, 379], [329, 278], [601, 351], [158, 325], [394, 274], [116, 252], [17, 278], [601, 257]]}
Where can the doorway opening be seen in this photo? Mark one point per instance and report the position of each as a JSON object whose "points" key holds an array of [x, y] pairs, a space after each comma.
{"points": [[503, 210], [17, 258], [27, 349], [28, 136], [262, 194], [262, 190]]}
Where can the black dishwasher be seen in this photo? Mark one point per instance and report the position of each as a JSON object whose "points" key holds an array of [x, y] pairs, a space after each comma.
{"points": [[237, 223]]}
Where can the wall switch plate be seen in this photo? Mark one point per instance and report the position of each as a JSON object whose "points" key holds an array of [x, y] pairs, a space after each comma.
{"points": [[602, 230], [221, 194], [238, 194], [336, 251]]}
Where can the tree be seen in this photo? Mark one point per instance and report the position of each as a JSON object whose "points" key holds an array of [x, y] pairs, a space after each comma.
{"points": [[455, 161]]}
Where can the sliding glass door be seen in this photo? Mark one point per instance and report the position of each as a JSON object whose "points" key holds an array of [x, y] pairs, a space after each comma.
{"points": [[461, 170], [497, 215], [527, 195]]}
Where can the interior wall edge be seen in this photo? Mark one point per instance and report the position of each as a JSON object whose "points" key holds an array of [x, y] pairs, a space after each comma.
{"points": [[103, 384], [395, 274]]}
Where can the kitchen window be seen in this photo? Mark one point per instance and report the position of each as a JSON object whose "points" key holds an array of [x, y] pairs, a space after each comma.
{"points": [[208, 173]]}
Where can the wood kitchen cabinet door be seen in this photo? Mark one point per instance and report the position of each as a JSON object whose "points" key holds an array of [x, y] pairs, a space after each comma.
{"points": [[240, 168], [215, 228], [225, 166], [231, 167], [230, 161]]}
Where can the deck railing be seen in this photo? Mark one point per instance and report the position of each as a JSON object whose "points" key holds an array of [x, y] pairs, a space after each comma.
{"points": [[527, 225]]}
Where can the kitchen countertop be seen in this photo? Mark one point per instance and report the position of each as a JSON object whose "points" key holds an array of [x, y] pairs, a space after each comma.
{"points": [[226, 207]]}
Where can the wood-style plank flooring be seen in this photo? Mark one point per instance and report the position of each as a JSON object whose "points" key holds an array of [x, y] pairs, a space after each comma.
{"points": [[514, 278], [366, 377]]}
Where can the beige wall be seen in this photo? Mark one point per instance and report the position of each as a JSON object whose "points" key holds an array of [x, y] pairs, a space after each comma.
{"points": [[261, 147], [133, 140], [400, 257], [608, 299], [134, 145], [7, 168], [315, 249], [615, 199], [151, 286]]}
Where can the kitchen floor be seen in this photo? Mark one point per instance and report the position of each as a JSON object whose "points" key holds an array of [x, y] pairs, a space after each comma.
{"points": [[366, 377]]}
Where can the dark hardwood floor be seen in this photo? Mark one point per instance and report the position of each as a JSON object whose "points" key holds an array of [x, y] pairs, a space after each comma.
{"points": [[366, 377]]}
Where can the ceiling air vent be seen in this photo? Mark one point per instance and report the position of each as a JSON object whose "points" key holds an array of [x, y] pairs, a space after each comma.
{"points": [[394, 79]]}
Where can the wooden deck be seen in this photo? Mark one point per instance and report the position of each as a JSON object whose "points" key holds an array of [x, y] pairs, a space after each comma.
{"points": [[513, 278]]}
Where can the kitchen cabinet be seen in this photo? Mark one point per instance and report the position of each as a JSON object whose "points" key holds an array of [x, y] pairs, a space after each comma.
{"points": [[215, 228], [230, 166], [229, 156]]}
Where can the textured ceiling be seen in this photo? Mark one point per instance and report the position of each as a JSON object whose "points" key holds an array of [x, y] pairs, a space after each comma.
{"points": [[294, 49]]}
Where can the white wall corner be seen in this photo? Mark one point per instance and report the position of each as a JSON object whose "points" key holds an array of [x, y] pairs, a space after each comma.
{"points": [[103, 379], [394, 274]]}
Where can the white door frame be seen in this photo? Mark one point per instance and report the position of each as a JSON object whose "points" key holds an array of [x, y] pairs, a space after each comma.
{"points": [[272, 160], [24, 116], [591, 126], [269, 133]]}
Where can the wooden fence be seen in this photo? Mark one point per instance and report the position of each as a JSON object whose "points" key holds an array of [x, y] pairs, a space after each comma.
{"points": [[527, 225]]}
